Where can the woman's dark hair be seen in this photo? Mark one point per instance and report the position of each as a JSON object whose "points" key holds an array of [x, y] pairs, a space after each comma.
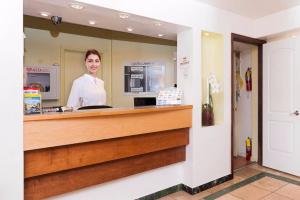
{"points": [[92, 51]]}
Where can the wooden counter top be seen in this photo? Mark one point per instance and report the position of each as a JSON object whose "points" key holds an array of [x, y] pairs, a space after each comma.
{"points": [[64, 152], [103, 112], [57, 129]]}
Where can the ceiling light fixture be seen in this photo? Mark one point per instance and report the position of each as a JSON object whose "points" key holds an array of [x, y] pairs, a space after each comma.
{"points": [[123, 15], [160, 35], [44, 14], [76, 6], [206, 34], [91, 22], [129, 29], [294, 36]]}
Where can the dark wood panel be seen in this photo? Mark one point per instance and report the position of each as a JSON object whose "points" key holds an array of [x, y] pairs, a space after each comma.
{"points": [[245, 39], [66, 181], [49, 160], [260, 105]]}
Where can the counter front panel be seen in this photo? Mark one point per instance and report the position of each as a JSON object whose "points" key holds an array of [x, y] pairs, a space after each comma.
{"points": [[66, 152]]}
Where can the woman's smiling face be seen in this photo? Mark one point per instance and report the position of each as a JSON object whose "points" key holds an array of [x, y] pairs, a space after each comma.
{"points": [[92, 64]]}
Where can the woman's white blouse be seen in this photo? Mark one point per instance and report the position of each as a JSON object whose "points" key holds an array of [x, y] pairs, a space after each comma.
{"points": [[86, 91]]}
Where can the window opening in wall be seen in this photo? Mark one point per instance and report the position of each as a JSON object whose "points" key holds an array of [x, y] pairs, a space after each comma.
{"points": [[212, 46]]}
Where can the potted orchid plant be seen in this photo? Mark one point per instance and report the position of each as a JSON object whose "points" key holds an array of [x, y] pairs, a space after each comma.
{"points": [[207, 108]]}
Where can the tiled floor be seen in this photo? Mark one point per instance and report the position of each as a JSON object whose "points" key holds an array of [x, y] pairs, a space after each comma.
{"points": [[266, 188], [239, 162]]}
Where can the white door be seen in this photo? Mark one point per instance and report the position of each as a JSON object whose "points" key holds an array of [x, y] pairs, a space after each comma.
{"points": [[281, 103]]}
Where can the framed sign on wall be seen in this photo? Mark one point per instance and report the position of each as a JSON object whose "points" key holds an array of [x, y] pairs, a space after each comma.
{"points": [[144, 77], [45, 78]]}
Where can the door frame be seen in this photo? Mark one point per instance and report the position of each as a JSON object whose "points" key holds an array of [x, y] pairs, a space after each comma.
{"points": [[259, 43]]}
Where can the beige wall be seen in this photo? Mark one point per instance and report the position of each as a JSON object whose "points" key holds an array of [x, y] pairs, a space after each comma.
{"points": [[254, 100], [67, 49], [212, 62], [125, 52]]}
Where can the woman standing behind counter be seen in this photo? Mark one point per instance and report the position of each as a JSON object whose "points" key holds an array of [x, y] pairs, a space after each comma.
{"points": [[88, 90]]}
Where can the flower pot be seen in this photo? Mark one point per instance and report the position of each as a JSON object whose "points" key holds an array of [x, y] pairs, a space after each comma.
{"points": [[207, 115]]}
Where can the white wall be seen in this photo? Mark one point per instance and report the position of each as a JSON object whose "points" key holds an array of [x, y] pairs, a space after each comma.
{"points": [[11, 83], [186, 81], [286, 20], [208, 154]]}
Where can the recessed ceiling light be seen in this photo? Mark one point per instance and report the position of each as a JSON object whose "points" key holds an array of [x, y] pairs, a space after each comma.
{"points": [[76, 6], [91, 22], [129, 29], [157, 24], [206, 34], [160, 35], [123, 15], [44, 14]]}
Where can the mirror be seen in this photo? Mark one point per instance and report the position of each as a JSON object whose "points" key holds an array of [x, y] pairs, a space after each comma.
{"points": [[67, 50]]}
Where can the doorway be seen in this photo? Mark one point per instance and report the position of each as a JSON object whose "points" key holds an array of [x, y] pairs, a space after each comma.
{"points": [[246, 100]]}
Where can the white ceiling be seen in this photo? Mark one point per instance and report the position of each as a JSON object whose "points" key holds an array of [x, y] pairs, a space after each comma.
{"points": [[253, 8], [105, 18], [109, 19]]}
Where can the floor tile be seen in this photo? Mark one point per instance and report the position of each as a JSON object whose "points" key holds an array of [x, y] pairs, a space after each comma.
{"points": [[269, 183], [275, 196], [256, 166], [217, 188], [200, 195], [250, 192], [260, 189], [228, 197], [273, 171], [239, 162], [181, 195], [166, 198], [297, 178], [263, 169], [292, 191], [246, 172]]}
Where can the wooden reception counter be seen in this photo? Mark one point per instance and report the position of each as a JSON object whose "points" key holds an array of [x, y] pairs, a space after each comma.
{"points": [[64, 152]]}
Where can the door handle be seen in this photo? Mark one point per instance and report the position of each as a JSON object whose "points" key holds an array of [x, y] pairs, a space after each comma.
{"points": [[296, 113]]}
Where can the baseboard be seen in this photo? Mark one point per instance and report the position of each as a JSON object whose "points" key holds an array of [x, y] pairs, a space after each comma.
{"points": [[162, 193], [183, 187], [206, 186]]}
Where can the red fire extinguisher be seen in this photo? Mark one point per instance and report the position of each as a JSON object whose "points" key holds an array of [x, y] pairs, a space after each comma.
{"points": [[248, 148], [248, 78]]}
